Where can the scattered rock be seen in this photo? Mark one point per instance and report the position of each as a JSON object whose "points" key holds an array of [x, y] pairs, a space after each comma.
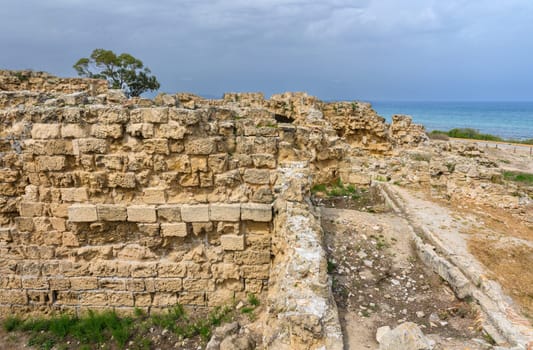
{"points": [[406, 336]]}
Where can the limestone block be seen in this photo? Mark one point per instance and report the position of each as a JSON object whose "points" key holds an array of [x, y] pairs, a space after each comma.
{"points": [[59, 210], [59, 283], [67, 298], [49, 147], [35, 283], [10, 282], [218, 163], [143, 270], [168, 284], [135, 284], [156, 146], [253, 286], [90, 145], [135, 252], [111, 212], [45, 131], [74, 194], [142, 299], [50, 163], [144, 130], [169, 269], [220, 297], [149, 229], [93, 299], [5, 235], [257, 176], [112, 283], [264, 161], [180, 163], [178, 229], [201, 227], [17, 297], [198, 163], [224, 271], [83, 283], [110, 162], [228, 227], [7, 175], [69, 239], [171, 213], [154, 196], [195, 213], [197, 299], [149, 115], [232, 242], [256, 271], [225, 212], [173, 131], [82, 213], [165, 299], [142, 213], [256, 212], [250, 257], [103, 131], [75, 131], [124, 180], [31, 209], [120, 299], [203, 146], [195, 285], [206, 179], [24, 224], [58, 224]]}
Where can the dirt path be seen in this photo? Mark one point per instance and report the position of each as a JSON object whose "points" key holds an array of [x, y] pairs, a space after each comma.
{"points": [[493, 242], [378, 281]]}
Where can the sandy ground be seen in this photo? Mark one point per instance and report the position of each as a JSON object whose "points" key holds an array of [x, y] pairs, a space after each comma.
{"points": [[510, 156]]}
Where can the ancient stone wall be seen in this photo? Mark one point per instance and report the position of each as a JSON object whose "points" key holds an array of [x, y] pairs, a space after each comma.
{"points": [[44, 82], [108, 202]]}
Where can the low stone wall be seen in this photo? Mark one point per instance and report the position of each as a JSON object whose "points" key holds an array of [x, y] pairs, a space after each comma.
{"points": [[41, 81]]}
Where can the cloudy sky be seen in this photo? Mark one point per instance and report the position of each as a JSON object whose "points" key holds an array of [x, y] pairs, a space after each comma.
{"points": [[336, 49]]}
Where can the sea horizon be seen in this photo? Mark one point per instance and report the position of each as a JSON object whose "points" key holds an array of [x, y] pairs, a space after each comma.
{"points": [[506, 119]]}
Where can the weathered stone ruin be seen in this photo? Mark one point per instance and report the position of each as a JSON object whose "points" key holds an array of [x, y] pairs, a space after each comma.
{"points": [[108, 202]]}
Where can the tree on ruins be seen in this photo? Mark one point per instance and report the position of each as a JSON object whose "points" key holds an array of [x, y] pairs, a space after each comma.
{"points": [[121, 71]]}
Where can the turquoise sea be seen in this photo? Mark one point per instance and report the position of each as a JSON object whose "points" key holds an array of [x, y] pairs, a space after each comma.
{"points": [[509, 120]]}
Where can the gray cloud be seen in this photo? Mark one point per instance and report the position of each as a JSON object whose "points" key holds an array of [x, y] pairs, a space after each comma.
{"points": [[378, 49]]}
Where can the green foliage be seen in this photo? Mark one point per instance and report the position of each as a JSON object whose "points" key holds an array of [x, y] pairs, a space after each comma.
{"points": [[518, 177], [121, 71], [331, 266], [336, 189], [12, 323], [469, 133], [95, 329], [253, 300]]}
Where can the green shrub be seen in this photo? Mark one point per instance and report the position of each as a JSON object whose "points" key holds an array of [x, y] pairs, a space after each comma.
{"points": [[518, 177]]}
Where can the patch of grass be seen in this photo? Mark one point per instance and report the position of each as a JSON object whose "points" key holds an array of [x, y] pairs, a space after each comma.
{"points": [[319, 188], [253, 300], [473, 134], [518, 177], [12, 323], [98, 328], [337, 189], [331, 266]]}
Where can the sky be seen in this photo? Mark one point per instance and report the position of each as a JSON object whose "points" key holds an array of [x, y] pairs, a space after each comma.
{"points": [[338, 49]]}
